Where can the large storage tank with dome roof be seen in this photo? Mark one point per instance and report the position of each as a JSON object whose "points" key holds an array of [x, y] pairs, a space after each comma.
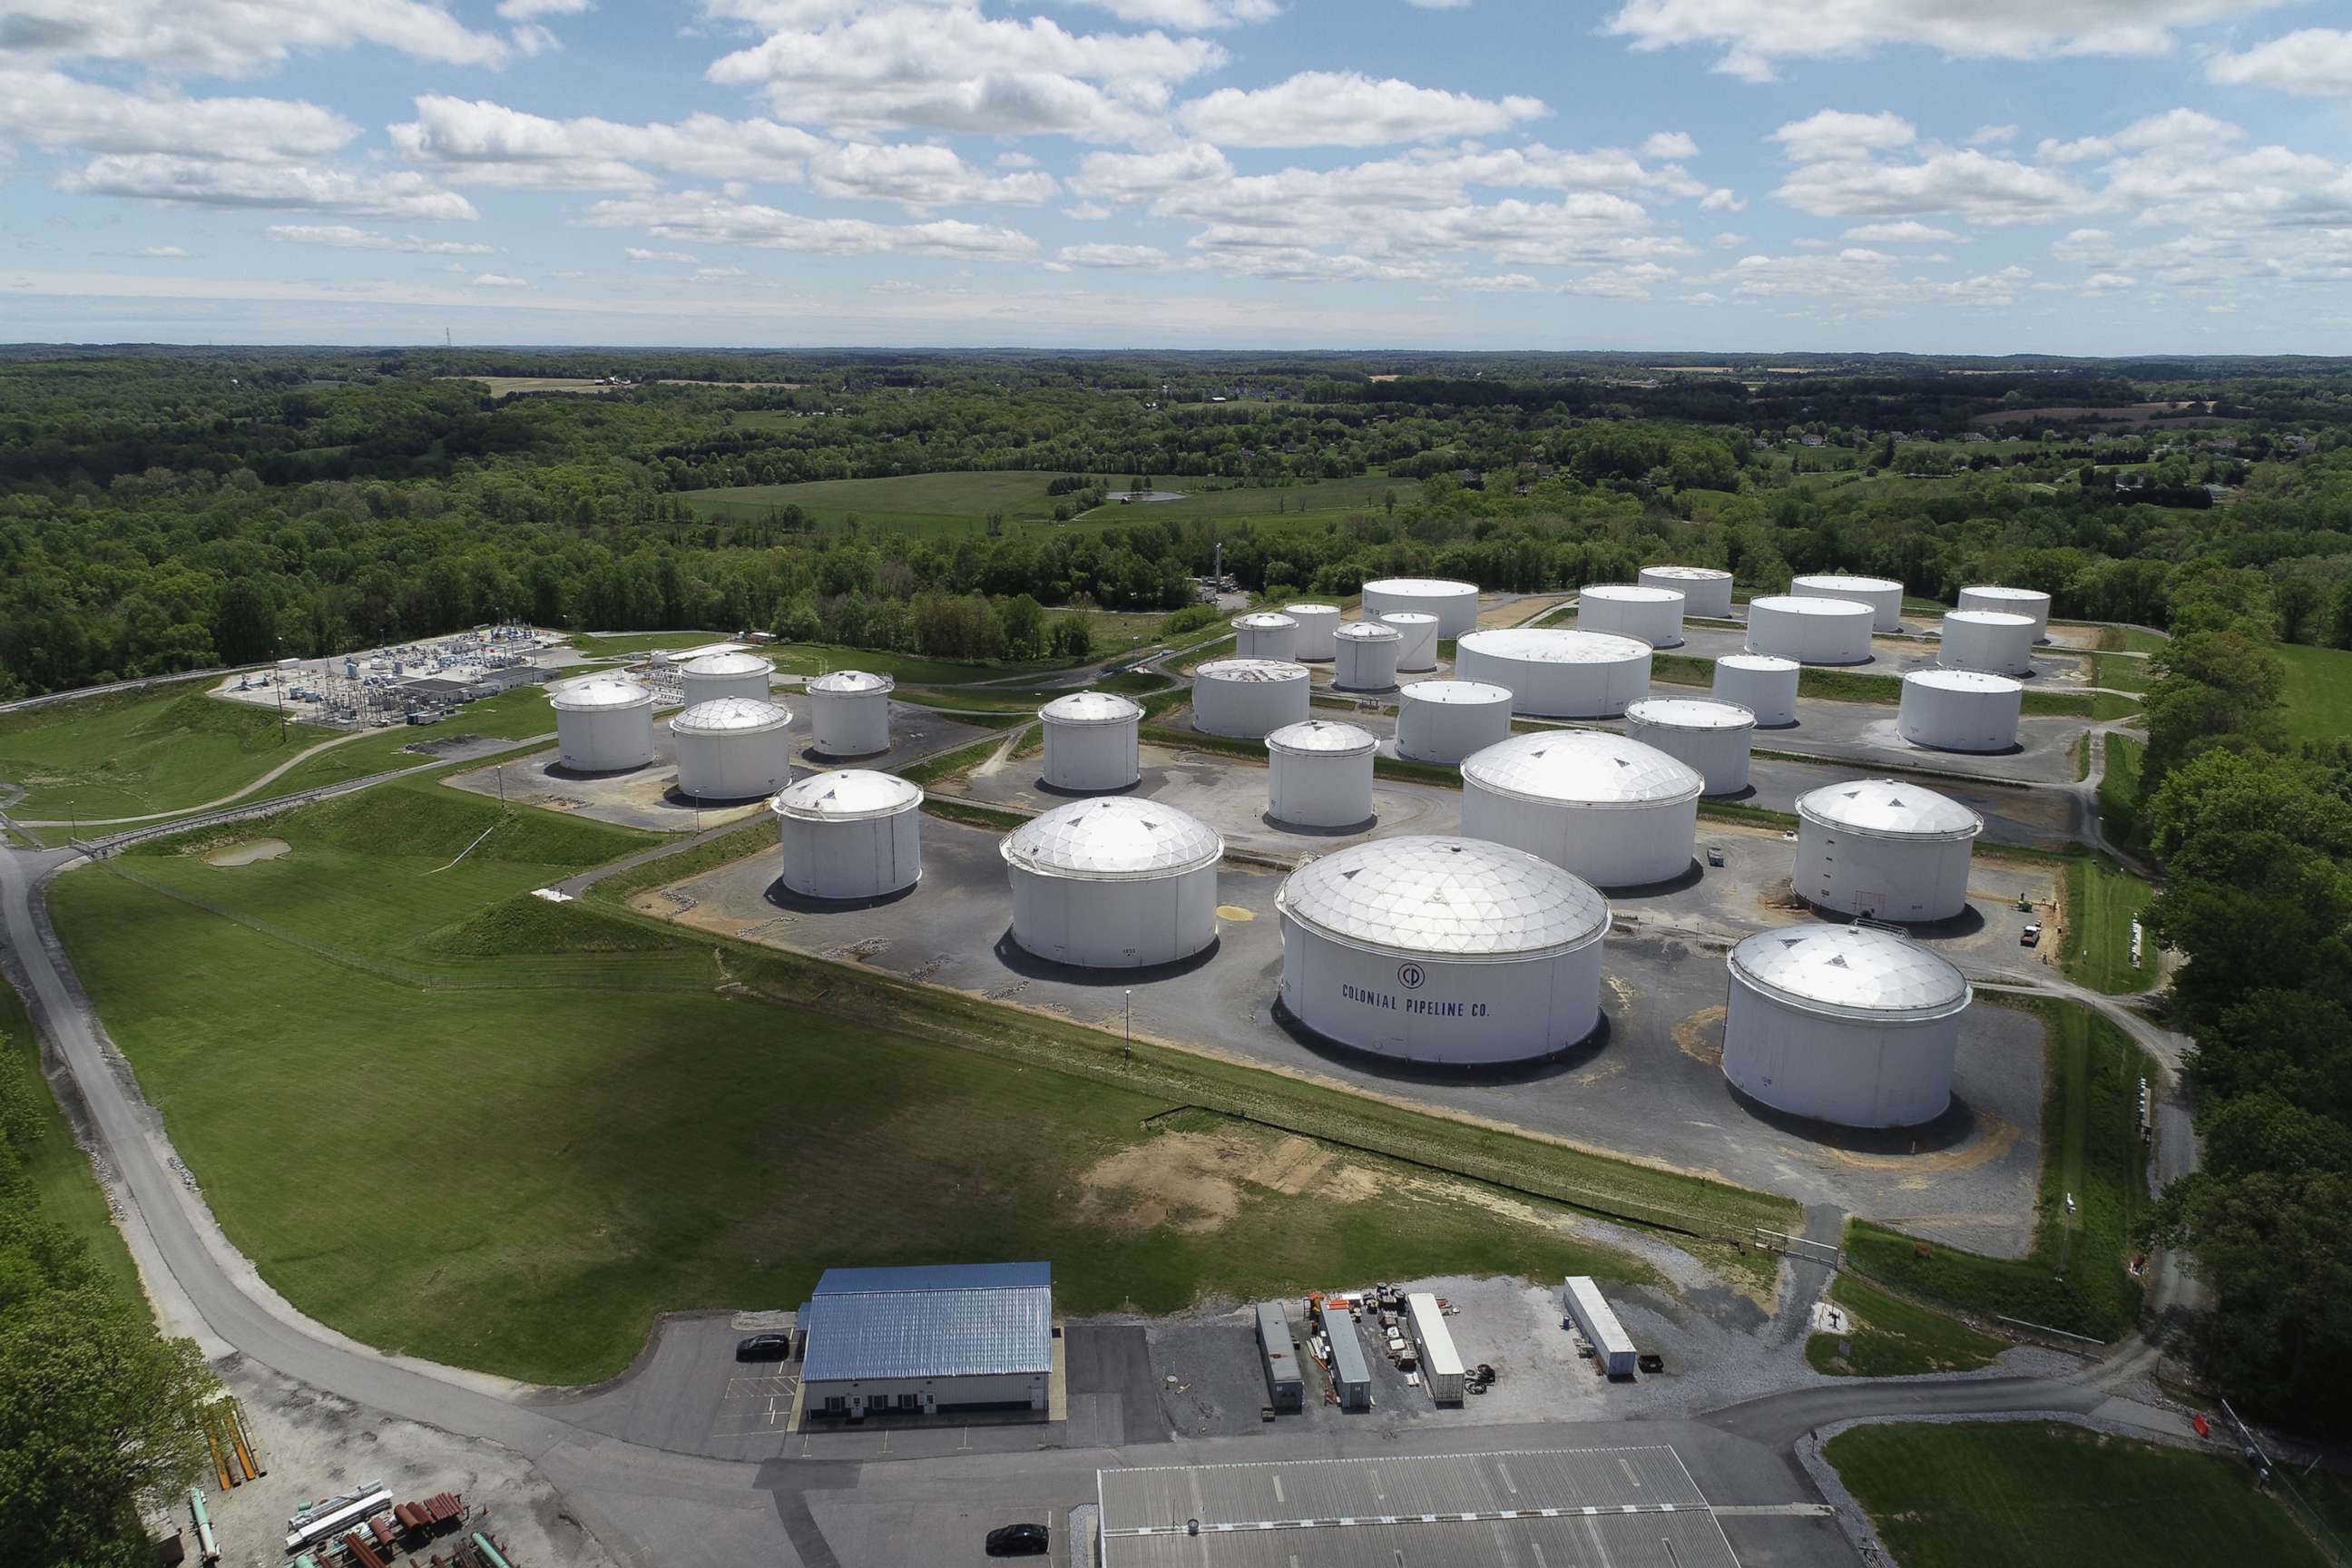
{"points": [[1320, 774], [1558, 674], [849, 713], [1850, 1024], [1450, 950], [735, 672], [1446, 720], [1248, 699], [1455, 605], [1092, 742], [604, 723], [1891, 851], [1706, 590], [1714, 738], [850, 834], [732, 748], [1616, 812], [1116, 883]]}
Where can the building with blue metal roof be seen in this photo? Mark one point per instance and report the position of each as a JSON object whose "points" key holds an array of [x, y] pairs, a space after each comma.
{"points": [[923, 1340]]}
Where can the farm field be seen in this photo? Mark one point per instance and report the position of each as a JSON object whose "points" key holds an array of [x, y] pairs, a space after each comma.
{"points": [[135, 752], [509, 385], [2048, 1495], [639, 1136], [2318, 692]]}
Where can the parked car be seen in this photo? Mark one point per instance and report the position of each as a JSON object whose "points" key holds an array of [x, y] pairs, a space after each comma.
{"points": [[764, 1347], [1713, 855], [1017, 1540], [2030, 936]]}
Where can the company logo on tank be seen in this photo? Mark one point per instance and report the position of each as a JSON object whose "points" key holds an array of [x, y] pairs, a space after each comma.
{"points": [[1421, 1007]]}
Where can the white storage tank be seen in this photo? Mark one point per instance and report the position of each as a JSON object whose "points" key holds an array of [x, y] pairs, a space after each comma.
{"points": [[1709, 737], [1250, 698], [1882, 595], [1705, 591], [1892, 851], [1446, 720], [1263, 634], [1847, 1025], [1959, 710], [2031, 602], [1320, 774], [1992, 642], [603, 723], [850, 834], [1810, 630], [1558, 674], [1455, 605], [732, 748], [849, 713], [1117, 883], [1315, 625], [1653, 615], [738, 673], [1416, 641], [1617, 812], [1091, 741], [1367, 653], [1442, 949], [1762, 683]]}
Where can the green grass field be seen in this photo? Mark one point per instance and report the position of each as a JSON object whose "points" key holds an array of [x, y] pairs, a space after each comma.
{"points": [[2075, 1278], [2119, 788], [571, 1118], [1367, 492], [2046, 1495], [137, 753], [2123, 674], [911, 503], [65, 1190], [2102, 900], [2131, 639], [1894, 1338], [2318, 692]]}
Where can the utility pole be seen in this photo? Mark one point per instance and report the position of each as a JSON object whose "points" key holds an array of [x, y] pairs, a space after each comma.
{"points": [[1127, 1051]]}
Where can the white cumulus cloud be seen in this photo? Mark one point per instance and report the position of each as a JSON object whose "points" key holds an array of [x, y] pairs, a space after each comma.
{"points": [[709, 220], [1348, 108], [481, 142], [2311, 62], [234, 37], [1835, 133], [345, 237]]}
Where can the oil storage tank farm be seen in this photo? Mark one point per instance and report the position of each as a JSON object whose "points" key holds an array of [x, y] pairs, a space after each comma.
{"points": [[1810, 630], [1117, 883], [1248, 697], [1263, 634], [1894, 851], [2031, 602], [1367, 654], [1850, 1024], [1616, 812], [1455, 605], [1705, 592], [1653, 615], [1446, 720], [850, 834], [1417, 633], [849, 713], [1315, 625], [604, 723], [1763, 683], [1991, 641], [1092, 742], [1558, 674], [1710, 737], [732, 748], [1442, 949], [732, 674], [1320, 774], [1882, 595], [1959, 710]]}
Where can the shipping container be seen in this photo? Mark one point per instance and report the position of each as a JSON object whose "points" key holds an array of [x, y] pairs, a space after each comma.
{"points": [[1611, 1345], [1440, 1362], [1350, 1378], [1279, 1356]]}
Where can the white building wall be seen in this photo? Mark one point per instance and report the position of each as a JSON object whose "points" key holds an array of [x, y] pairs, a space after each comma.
{"points": [[849, 723], [1319, 789], [1130, 924], [1851, 1072], [1448, 731], [1809, 638], [1947, 719], [855, 857], [1458, 1014], [604, 739], [1416, 641], [930, 1393], [1911, 880], [733, 765], [1769, 694], [1609, 847], [1090, 757]]}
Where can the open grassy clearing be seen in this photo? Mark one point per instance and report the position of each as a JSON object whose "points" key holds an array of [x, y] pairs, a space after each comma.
{"points": [[2075, 1279], [820, 659], [913, 503], [2122, 674], [1367, 492], [631, 645], [2119, 788], [65, 1189], [2030, 1494], [2130, 640], [1894, 1338], [2318, 692], [131, 754], [638, 1139], [2102, 900]]}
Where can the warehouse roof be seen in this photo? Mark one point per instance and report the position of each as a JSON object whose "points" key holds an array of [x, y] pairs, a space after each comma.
{"points": [[955, 1319]]}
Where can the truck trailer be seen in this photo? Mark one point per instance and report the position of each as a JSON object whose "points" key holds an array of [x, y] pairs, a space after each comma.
{"points": [[1440, 1363], [1283, 1389], [1611, 1345]]}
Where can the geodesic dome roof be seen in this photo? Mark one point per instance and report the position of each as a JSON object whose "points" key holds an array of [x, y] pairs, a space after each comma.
{"points": [[1445, 896], [851, 683], [735, 663], [1090, 708], [1321, 737], [1852, 971], [1582, 767], [845, 795], [1113, 839], [1887, 809], [595, 691], [1250, 671], [730, 716]]}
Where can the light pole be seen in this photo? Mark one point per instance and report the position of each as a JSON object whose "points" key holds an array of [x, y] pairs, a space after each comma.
{"points": [[1127, 1051]]}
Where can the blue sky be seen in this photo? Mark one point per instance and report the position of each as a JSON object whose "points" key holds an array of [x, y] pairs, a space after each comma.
{"points": [[2084, 176]]}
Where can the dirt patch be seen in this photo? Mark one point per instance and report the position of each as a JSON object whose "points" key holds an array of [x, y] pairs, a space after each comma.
{"points": [[1700, 1036], [1236, 914], [1995, 1137], [246, 851], [1172, 1180]]}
